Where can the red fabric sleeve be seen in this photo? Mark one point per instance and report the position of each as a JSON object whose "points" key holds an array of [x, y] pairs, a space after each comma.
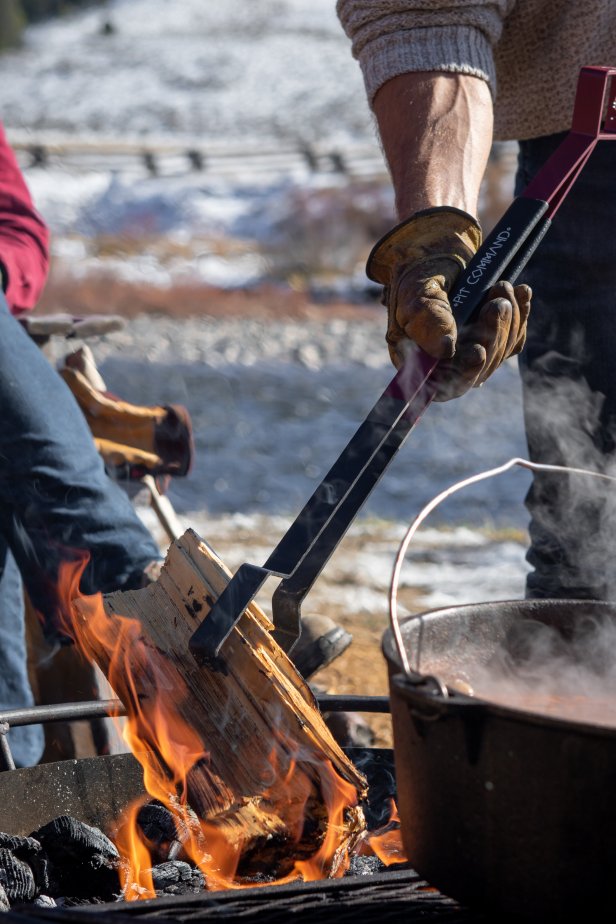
{"points": [[24, 238]]}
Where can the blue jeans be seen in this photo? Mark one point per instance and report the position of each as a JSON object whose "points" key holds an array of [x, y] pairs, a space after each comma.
{"points": [[568, 370], [55, 497]]}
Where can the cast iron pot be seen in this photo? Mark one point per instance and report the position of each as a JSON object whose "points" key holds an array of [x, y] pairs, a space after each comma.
{"points": [[502, 809]]}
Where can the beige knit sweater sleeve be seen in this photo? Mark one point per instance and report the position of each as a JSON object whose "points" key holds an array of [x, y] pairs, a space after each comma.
{"points": [[536, 47], [392, 37]]}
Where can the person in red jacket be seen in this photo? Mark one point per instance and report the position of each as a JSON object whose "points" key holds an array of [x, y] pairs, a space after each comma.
{"points": [[24, 237], [55, 496]]}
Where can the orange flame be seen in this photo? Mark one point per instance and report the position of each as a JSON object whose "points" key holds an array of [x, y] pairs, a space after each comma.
{"points": [[338, 795], [136, 877], [169, 749], [386, 843]]}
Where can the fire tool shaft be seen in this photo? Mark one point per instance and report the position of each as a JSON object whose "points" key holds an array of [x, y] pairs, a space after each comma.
{"points": [[304, 550]]}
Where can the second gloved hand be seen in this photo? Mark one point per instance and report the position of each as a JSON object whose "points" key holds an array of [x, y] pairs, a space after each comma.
{"points": [[417, 263]]}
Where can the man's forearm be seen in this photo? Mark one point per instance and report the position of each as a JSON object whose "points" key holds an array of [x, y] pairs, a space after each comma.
{"points": [[436, 131]]}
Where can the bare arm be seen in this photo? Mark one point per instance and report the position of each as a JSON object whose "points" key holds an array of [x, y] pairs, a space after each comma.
{"points": [[436, 131]]}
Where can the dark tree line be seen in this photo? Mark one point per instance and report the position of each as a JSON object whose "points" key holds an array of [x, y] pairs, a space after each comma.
{"points": [[16, 14]]}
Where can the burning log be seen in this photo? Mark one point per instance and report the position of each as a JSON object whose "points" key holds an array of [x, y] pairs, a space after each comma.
{"points": [[242, 758]]}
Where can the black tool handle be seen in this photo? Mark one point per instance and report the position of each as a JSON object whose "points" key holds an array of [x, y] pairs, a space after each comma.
{"points": [[308, 544], [495, 261], [502, 254]]}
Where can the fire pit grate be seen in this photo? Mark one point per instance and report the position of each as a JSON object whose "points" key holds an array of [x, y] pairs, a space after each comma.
{"points": [[368, 891], [97, 709], [393, 897]]}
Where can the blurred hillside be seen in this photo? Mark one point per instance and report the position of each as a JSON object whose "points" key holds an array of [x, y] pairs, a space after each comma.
{"points": [[16, 14]]}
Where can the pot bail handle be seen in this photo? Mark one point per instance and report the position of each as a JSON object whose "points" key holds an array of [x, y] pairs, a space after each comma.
{"points": [[415, 676]]}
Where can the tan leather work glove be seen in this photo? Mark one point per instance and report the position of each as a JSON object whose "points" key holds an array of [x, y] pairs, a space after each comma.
{"points": [[418, 262]]}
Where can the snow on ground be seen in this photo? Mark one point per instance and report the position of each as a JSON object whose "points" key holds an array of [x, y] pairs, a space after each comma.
{"points": [[267, 78], [274, 71], [273, 403]]}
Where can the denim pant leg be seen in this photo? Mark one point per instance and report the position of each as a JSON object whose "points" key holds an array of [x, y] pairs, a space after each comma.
{"points": [[26, 743], [55, 495], [568, 370]]}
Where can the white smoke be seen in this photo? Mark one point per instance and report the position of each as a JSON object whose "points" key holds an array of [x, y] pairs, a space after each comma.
{"points": [[541, 669]]}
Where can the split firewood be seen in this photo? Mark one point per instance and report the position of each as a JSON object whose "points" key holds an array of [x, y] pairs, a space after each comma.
{"points": [[269, 766]]}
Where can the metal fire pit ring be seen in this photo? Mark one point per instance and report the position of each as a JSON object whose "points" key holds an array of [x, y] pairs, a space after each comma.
{"points": [[97, 789], [98, 709]]}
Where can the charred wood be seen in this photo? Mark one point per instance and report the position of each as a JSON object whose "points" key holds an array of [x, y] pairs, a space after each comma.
{"points": [[22, 847], [44, 901], [163, 832]]}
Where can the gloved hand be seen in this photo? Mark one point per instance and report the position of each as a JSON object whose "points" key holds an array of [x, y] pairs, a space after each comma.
{"points": [[418, 262]]}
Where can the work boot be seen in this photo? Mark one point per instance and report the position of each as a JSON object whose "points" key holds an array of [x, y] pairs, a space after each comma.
{"points": [[151, 572], [350, 730], [321, 641]]}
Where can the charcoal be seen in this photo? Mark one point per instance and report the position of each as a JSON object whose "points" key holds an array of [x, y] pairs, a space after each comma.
{"points": [[75, 838], [29, 850], [82, 861], [44, 901], [22, 847], [177, 878], [40, 868], [378, 768], [4, 900], [163, 831], [365, 866], [157, 822], [16, 877], [260, 878]]}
